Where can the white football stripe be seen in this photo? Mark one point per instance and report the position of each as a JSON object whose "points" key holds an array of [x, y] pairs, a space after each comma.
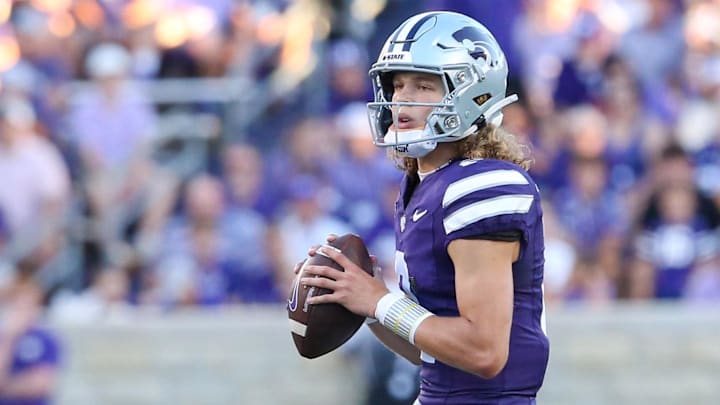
{"points": [[426, 357], [297, 327], [506, 204], [481, 181]]}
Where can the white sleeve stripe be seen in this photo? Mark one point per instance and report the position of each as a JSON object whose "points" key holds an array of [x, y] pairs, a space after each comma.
{"points": [[506, 204], [481, 181]]}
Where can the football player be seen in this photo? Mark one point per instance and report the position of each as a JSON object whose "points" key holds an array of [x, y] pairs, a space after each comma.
{"points": [[468, 304]]}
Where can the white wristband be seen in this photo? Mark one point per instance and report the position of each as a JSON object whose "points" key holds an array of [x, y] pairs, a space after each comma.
{"points": [[384, 304], [401, 315]]}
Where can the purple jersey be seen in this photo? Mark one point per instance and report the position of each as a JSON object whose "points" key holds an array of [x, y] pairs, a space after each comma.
{"points": [[466, 199]]}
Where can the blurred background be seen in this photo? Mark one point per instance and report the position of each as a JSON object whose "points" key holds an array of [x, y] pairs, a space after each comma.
{"points": [[164, 163]]}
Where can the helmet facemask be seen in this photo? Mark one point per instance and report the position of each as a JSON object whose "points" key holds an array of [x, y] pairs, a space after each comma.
{"points": [[443, 124]]}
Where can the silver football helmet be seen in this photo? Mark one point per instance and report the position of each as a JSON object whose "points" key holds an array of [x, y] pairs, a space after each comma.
{"points": [[474, 71]]}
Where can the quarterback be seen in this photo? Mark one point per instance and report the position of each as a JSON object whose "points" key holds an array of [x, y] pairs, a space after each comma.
{"points": [[468, 303]]}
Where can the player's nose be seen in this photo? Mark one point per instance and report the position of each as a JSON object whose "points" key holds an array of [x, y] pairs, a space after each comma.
{"points": [[403, 95]]}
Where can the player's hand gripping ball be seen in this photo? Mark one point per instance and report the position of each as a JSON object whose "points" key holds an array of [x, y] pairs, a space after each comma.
{"points": [[321, 328]]}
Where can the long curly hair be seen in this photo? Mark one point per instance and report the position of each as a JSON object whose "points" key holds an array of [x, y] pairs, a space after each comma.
{"points": [[490, 142]]}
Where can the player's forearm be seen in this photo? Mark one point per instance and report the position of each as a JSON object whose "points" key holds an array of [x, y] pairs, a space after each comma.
{"points": [[456, 341], [396, 343]]}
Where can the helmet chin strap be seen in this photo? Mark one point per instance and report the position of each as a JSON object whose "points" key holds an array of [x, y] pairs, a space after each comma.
{"points": [[410, 147]]}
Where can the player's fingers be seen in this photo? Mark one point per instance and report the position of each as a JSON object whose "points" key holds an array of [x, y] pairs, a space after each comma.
{"points": [[322, 299], [313, 249], [331, 237], [324, 271], [320, 282], [298, 266], [337, 256]]}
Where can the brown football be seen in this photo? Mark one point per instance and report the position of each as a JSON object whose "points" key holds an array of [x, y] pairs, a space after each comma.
{"points": [[321, 328]]}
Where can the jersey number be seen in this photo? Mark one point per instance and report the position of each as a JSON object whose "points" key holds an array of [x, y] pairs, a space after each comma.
{"points": [[403, 275]]}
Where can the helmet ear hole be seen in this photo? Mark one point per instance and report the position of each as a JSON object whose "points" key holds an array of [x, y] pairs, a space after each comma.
{"points": [[481, 99]]}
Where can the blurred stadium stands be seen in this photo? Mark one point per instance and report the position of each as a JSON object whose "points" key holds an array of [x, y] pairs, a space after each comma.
{"points": [[180, 155]]}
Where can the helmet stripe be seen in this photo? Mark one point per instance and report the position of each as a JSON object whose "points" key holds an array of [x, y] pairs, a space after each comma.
{"points": [[392, 42], [405, 33], [411, 34]]}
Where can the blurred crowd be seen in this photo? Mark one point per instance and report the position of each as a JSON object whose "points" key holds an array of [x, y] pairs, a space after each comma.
{"points": [[171, 153], [183, 152]]}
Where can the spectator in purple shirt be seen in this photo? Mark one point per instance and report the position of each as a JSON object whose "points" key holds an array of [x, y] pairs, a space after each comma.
{"points": [[673, 247], [112, 120], [211, 254], [29, 353]]}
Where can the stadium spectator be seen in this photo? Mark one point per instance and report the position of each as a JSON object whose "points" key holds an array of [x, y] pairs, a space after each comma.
{"points": [[306, 219], [211, 255], [113, 125], [310, 148], [361, 203], [674, 246], [36, 186], [348, 64], [674, 165], [560, 258], [677, 229], [112, 121], [107, 300], [660, 30], [590, 283], [245, 176], [581, 77], [629, 125], [30, 353], [541, 40], [583, 209]]}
